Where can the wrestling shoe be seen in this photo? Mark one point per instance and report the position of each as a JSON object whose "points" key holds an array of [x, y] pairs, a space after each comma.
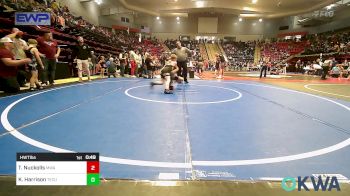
{"points": [[168, 91]]}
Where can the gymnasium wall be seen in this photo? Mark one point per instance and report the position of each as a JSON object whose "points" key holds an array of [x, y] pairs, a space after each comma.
{"points": [[207, 24], [168, 27], [89, 10], [169, 24], [109, 21], [112, 16], [340, 20], [228, 25], [164, 36], [271, 26]]}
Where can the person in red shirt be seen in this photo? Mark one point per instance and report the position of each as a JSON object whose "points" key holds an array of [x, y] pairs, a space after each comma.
{"points": [[8, 66], [206, 65], [49, 48]]}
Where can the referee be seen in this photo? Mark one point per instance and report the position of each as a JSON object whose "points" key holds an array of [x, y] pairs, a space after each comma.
{"points": [[82, 52], [325, 67], [182, 54]]}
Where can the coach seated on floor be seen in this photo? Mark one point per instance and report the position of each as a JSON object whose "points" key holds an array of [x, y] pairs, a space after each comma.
{"points": [[335, 72], [8, 66]]}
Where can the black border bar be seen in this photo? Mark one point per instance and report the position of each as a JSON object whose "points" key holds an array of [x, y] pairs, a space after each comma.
{"points": [[45, 156]]}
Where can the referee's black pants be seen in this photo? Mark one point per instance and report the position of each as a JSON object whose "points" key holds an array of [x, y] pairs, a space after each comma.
{"points": [[325, 70], [264, 68], [182, 69]]}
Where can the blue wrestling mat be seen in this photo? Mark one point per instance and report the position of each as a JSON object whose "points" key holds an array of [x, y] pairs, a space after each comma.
{"points": [[205, 130]]}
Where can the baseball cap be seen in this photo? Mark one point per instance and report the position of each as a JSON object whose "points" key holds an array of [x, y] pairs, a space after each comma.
{"points": [[6, 40]]}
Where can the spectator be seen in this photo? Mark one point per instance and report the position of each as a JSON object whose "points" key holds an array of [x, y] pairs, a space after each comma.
{"points": [[49, 48], [335, 72], [19, 51], [138, 59], [222, 65], [149, 65], [8, 66], [94, 62], [348, 72], [111, 68], [2, 8], [123, 63], [117, 62], [133, 64], [317, 67], [55, 5], [144, 66]]}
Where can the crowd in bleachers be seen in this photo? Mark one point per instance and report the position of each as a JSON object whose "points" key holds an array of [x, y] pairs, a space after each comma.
{"points": [[109, 48], [328, 43], [329, 66], [239, 54], [190, 44], [239, 50], [281, 50], [311, 48], [64, 21]]}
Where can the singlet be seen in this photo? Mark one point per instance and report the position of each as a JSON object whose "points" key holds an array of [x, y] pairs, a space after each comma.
{"points": [[30, 55], [169, 66], [103, 64]]}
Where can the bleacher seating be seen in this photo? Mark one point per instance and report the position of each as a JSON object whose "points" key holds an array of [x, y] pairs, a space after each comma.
{"points": [[279, 51], [102, 39]]}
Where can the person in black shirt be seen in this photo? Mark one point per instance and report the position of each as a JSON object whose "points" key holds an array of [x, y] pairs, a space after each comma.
{"points": [[82, 52], [149, 66], [123, 62], [264, 66]]}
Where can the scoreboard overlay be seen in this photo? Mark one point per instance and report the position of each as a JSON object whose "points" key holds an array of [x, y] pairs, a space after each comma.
{"points": [[58, 169]]}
